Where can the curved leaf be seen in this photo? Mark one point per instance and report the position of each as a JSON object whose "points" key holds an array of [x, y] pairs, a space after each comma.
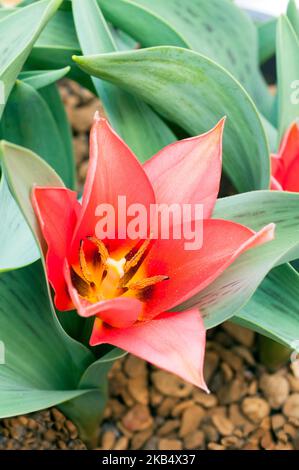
{"points": [[287, 74], [194, 92], [142, 23], [40, 357], [43, 367], [217, 29], [293, 15], [267, 35], [18, 247], [42, 78], [274, 309], [28, 121], [233, 289], [142, 129], [55, 104], [19, 31]]}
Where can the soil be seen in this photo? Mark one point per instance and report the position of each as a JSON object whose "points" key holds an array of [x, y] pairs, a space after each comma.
{"points": [[249, 407]]}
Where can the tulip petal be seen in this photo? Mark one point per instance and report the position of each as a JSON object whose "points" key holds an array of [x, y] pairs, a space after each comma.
{"points": [[275, 185], [57, 210], [113, 171], [289, 148], [285, 165], [189, 171], [191, 271], [119, 312], [291, 179], [172, 341]]}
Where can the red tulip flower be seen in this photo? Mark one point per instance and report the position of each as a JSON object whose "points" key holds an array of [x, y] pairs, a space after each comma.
{"points": [[285, 165], [128, 287]]}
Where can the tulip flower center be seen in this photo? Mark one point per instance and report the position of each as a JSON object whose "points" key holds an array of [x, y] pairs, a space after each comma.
{"points": [[101, 277]]}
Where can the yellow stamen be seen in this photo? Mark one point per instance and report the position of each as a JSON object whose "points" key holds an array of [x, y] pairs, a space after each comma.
{"points": [[102, 277], [83, 265], [101, 248], [132, 262], [147, 282]]}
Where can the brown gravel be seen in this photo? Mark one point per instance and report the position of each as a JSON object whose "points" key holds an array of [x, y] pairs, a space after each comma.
{"points": [[178, 416], [248, 408]]}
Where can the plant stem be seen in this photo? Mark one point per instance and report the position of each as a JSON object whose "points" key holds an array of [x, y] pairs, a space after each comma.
{"points": [[272, 354], [86, 412]]}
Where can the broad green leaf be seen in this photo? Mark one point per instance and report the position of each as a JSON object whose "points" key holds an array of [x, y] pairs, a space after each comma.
{"points": [[19, 31], [194, 92], [142, 23], [28, 121], [53, 99], [123, 41], [139, 126], [233, 289], [271, 133], [42, 78], [274, 308], [37, 351], [18, 247], [55, 46], [287, 74], [44, 366], [23, 169], [216, 28], [266, 39], [293, 15]]}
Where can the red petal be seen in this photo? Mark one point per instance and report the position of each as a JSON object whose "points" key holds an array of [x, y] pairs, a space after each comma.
{"points": [[119, 312], [285, 165], [188, 171], [289, 148], [57, 210], [113, 171], [291, 179], [275, 185], [173, 341], [191, 271]]}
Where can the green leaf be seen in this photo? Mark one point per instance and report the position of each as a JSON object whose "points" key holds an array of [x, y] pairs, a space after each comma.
{"points": [[266, 39], [18, 247], [38, 354], [23, 169], [273, 310], [91, 410], [293, 15], [142, 23], [139, 126], [53, 99], [55, 46], [194, 92], [28, 121], [271, 133], [216, 28], [287, 74], [44, 366], [19, 31], [123, 41], [42, 78], [233, 289]]}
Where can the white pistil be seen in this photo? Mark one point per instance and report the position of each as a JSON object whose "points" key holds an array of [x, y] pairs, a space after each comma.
{"points": [[118, 265]]}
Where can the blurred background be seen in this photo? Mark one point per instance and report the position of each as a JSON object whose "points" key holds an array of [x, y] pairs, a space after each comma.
{"points": [[271, 7]]}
